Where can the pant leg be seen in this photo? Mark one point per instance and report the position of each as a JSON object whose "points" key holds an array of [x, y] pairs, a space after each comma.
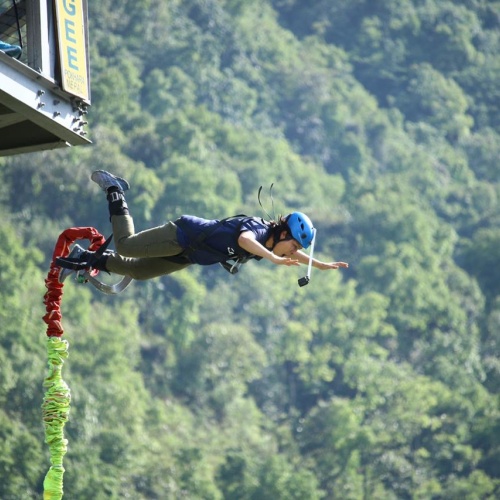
{"points": [[159, 241], [142, 268], [139, 254]]}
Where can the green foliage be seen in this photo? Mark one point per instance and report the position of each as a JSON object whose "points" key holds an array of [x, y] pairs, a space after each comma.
{"points": [[479, 259], [378, 119], [21, 459], [437, 100], [482, 150]]}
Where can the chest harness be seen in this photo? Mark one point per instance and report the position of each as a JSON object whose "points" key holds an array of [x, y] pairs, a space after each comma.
{"points": [[230, 263]]}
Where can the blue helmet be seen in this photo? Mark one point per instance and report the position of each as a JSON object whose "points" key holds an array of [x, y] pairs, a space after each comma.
{"points": [[301, 228]]}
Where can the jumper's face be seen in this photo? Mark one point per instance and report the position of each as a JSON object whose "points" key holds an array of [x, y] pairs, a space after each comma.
{"points": [[286, 247]]}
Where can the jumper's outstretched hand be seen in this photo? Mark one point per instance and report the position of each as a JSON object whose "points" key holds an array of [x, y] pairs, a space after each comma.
{"points": [[285, 261], [331, 265]]}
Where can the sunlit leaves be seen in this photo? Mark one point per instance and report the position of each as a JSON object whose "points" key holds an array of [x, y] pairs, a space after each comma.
{"points": [[380, 121]]}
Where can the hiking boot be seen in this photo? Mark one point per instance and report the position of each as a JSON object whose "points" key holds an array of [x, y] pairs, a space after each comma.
{"points": [[80, 259], [105, 180], [77, 256]]}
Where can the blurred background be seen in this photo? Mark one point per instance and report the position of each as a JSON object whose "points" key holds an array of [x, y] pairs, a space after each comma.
{"points": [[381, 121]]}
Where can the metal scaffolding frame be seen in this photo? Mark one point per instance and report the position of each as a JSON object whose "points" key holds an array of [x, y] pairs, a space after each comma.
{"points": [[36, 111]]}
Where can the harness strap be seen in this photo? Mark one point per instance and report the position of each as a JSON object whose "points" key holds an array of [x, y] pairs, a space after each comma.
{"points": [[199, 243]]}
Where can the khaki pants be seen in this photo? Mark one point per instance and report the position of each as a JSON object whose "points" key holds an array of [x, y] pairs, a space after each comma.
{"points": [[140, 254]]}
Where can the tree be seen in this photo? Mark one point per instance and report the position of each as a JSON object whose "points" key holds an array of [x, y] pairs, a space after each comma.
{"points": [[437, 100]]}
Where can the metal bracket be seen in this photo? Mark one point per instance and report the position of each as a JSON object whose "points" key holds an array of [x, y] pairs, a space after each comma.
{"points": [[116, 288]]}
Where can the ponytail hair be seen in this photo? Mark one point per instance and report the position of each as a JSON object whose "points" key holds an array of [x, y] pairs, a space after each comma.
{"points": [[277, 227]]}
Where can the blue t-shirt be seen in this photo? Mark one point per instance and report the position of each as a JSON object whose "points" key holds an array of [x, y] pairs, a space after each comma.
{"points": [[222, 243]]}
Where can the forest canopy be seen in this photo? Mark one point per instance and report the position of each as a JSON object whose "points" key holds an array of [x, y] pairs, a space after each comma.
{"points": [[381, 121]]}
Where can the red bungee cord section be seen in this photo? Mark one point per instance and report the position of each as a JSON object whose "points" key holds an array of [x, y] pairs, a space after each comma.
{"points": [[56, 402]]}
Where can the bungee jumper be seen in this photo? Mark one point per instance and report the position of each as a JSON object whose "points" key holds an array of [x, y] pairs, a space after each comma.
{"points": [[154, 252], [189, 240]]}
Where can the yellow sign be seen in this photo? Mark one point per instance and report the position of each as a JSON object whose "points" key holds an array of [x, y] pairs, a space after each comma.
{"points": [[72, 47]]}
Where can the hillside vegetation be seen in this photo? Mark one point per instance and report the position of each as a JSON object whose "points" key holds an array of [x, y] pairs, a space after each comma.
{"points": [[381, 121]]}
